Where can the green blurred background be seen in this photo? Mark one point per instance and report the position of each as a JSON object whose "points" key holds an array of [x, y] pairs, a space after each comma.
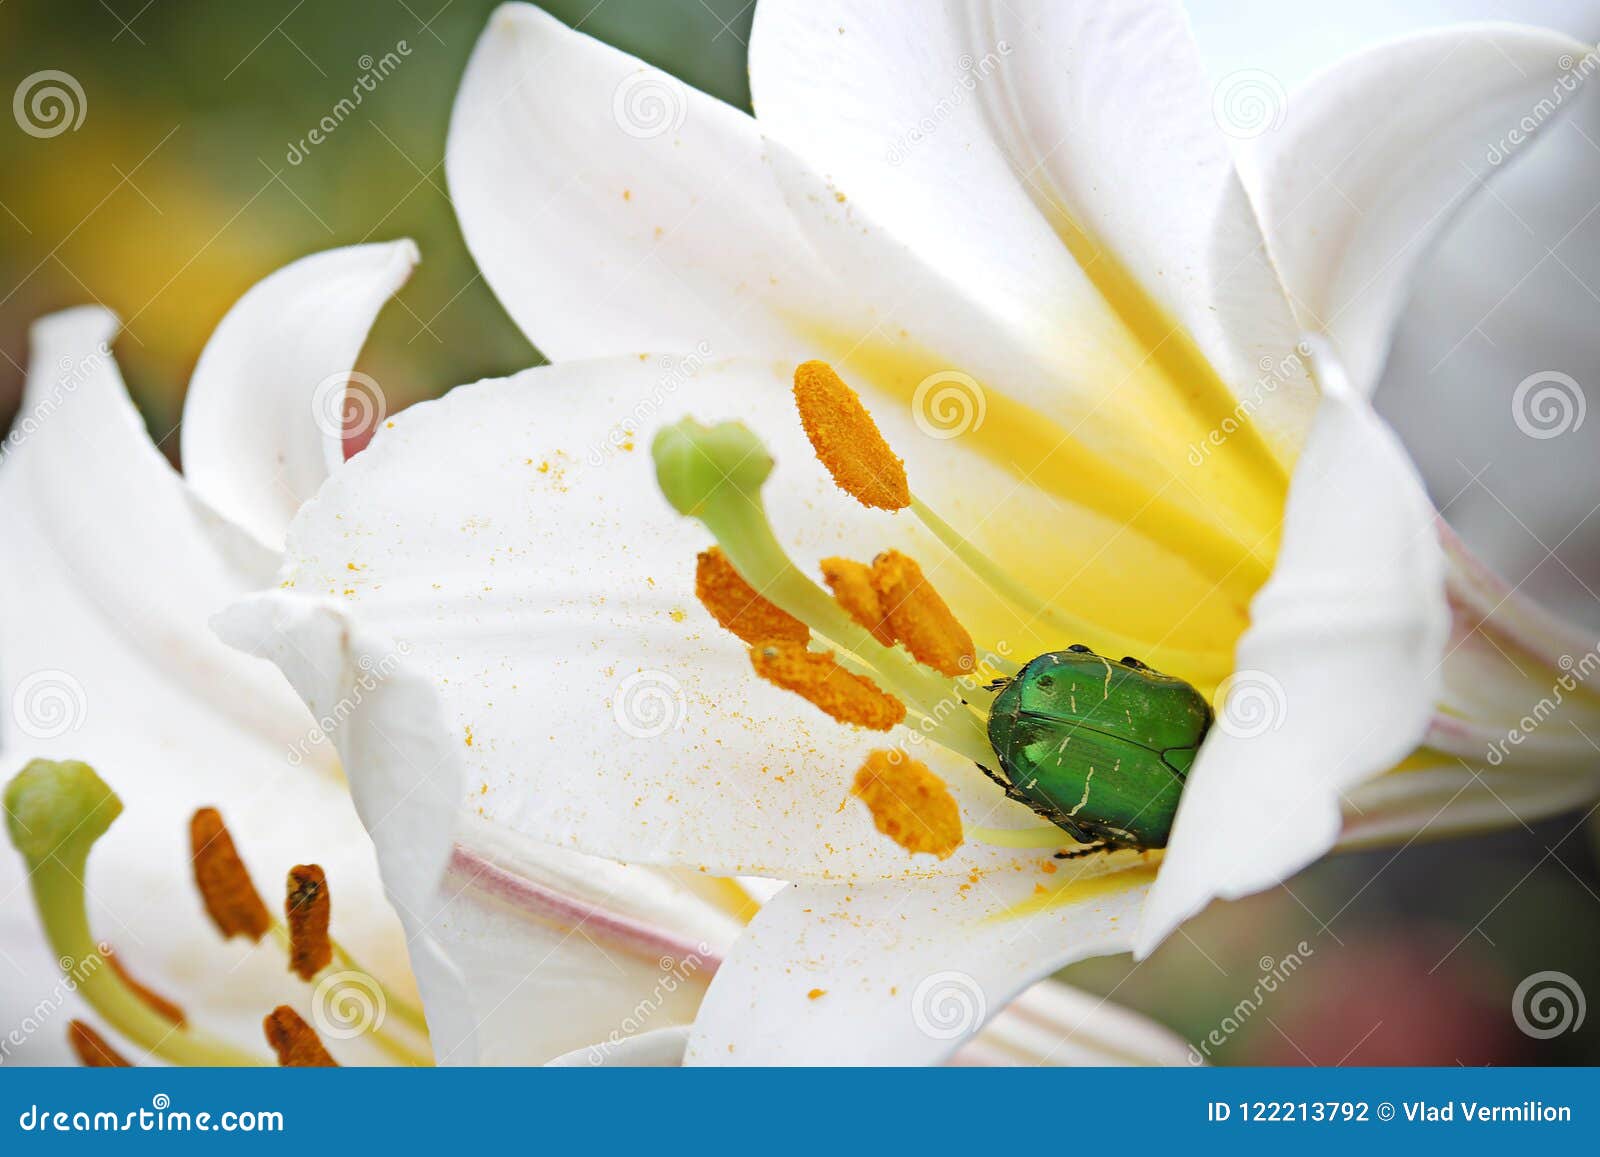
{"points": [[177, 193]]}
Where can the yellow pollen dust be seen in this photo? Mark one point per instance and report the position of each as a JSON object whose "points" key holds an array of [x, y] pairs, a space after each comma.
{"points": [[308, 907], [909, 804], [851, 584], [92, 1050], [738, 607], [230, 898], [919, 618], [818, 678], [846, 439], [294, 1041]]}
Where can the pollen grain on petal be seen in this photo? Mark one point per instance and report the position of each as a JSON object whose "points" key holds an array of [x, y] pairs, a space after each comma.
{"points": [[817, 677], [909, 804], [308, 907], [851, 584], [919, 617], [166, 1009], [738, 606], [846, 439], [294, 1041], [230, 898], [93, 1050]]}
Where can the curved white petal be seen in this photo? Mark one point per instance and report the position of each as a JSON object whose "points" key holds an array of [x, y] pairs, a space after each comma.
{"points": [[1036, 159], [545, 591], [904, 973], [1377, 151], [612, 208], [657, 1049], [265, 416], [1335, 680], [99, 509], [1458, 799], [1055, 1025], [105, 656]]}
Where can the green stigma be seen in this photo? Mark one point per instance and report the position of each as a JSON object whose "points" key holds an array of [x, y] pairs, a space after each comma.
{"points": [[715, 474]]}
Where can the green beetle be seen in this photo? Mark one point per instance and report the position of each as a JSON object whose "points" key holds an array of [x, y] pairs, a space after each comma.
{"points": [[1100, 748]]}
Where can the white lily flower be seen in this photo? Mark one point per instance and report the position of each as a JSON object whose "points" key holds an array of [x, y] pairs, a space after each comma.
{"points": [[120, 561], [1038, 221]]}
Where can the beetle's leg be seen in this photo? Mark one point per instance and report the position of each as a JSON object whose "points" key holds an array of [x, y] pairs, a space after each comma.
{"points": [[1086, 850], [997, 684]]}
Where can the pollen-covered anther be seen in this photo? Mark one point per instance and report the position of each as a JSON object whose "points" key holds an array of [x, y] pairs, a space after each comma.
{"points": [[230, 898], [919, 618], [817, 677], [93, 1050], [738, 606], [308, 908], [846, 439], [294, 1041], [909, 804], [851, 584], [160, 1004]]}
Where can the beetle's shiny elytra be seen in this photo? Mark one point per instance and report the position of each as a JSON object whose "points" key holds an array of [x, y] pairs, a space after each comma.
{"points": [[1098, 747]]}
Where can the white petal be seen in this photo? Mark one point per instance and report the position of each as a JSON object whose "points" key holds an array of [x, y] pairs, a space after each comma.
{"points": [[265, 416], [572, 953], [657, 1049], [1376, 152], [107, 658], [1335, 680], [611, 208], [986, 140], [1052, 1024], [902, 973], [545, 591], [1434, 802], [100, 510]]}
